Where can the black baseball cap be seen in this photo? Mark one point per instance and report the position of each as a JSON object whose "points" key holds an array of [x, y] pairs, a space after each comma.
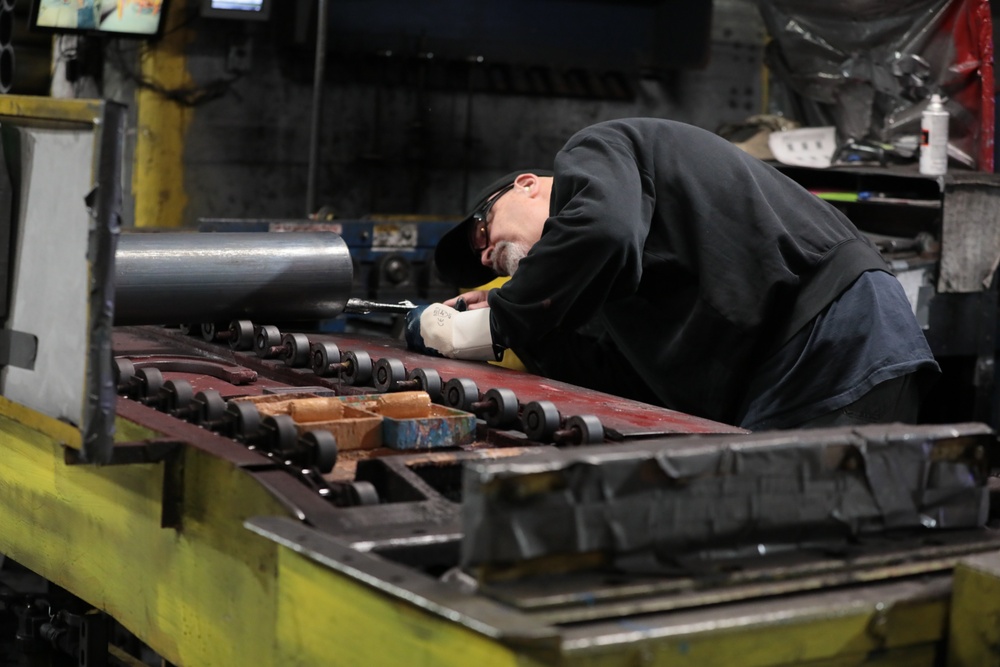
{"points": [[457, 262]]}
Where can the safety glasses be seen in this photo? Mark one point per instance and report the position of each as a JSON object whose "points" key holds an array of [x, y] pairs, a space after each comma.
{"points": [[479, 231]]}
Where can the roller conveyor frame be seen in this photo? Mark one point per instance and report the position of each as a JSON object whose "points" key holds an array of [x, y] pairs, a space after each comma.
{"points": [[383, 553]]}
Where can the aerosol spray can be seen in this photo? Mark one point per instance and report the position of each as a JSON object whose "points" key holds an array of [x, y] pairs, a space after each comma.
{"points": [[934, 138]]}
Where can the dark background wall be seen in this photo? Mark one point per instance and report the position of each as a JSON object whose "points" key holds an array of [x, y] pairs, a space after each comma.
{"points": [[422, 102], [416, 120]]}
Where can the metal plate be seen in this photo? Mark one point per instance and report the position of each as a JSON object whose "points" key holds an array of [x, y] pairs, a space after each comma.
{"points": [[590, 596], [65, 162]]}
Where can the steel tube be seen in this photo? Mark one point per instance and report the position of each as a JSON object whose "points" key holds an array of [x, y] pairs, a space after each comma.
{"points": [[191, 278]]}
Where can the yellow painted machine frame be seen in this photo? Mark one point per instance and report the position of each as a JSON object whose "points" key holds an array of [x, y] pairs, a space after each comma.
{"points": [[238, 580]]}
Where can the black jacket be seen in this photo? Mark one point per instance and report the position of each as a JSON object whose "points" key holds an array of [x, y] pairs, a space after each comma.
{"points": [[688, 260]]}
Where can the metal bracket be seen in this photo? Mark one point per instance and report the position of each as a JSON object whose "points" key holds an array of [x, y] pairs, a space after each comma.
{"points": [[156, 450], [18, 349], [130, 453]]}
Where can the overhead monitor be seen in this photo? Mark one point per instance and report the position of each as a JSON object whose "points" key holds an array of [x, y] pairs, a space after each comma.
{"points": [[254, 10], [115, 18]]}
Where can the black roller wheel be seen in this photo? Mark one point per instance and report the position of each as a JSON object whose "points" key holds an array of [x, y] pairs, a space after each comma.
{"points": [[280, 434], [211, 406], [359, 368], [460, 393], [428, 380], [178, 394], [504, 408], [296, 349], [589, 427], [151, 381], [388, 374], [124, 371], [209, 330], [322, 358], [265, 339], [323, 449], [361, 494], [241, 334], [245, 419], [541, 420]]}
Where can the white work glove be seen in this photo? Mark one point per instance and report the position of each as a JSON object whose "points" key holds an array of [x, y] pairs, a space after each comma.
{"points": [[458, 335]]}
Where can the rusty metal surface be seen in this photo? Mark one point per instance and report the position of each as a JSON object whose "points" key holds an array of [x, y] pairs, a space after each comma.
{"points": [[129, 341], [225, 371], [630, 419]]}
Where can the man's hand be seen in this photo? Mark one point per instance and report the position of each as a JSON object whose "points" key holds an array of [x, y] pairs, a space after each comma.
{"points": [[473, 300], [441, 330]]}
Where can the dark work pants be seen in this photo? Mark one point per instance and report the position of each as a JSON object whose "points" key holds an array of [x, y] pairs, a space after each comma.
{"points": [[896, 400]]}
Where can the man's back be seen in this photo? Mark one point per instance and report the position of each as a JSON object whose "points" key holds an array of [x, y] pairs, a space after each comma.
{"points": [[698, 258]]}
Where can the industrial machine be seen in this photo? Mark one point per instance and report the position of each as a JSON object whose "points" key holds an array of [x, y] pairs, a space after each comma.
{"points": [[247, 489]]}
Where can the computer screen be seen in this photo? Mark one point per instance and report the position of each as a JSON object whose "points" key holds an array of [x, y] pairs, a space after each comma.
{"points": [[236, 9], [116, 18]]}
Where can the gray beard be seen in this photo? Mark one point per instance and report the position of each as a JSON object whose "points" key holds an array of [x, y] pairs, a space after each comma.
{"points": [[507, 257]]}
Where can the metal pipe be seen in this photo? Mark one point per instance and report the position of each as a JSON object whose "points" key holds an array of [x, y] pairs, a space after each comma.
{"points": [[317, 106], [192, 278]]}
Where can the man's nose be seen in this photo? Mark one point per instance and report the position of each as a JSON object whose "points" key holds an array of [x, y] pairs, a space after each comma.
{"points": [[486, 256]]}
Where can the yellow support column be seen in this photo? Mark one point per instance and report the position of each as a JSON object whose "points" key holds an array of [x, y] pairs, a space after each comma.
{"points": [[974, 637], [162, 124]]}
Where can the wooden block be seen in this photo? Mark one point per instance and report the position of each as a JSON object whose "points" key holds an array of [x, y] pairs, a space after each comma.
{"points": [[316, 409], [404, 405]]}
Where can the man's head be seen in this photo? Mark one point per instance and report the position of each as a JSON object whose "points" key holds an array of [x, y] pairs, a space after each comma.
{"points": [[506, 220]]}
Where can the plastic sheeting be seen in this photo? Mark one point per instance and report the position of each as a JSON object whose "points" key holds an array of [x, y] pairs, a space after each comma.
{"points": [[869, 67]]}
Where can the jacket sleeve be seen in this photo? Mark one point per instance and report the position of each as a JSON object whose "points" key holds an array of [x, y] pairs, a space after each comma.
{"points": [[591, 246]]}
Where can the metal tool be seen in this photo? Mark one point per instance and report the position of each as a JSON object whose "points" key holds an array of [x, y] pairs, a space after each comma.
{"points": [[364, 307]]}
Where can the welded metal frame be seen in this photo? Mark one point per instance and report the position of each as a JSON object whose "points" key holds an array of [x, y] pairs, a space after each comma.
{"points": [[417, 529]]}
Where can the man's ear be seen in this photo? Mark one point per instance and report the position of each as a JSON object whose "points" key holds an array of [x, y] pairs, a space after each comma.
{"points": [[528, 183]]}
